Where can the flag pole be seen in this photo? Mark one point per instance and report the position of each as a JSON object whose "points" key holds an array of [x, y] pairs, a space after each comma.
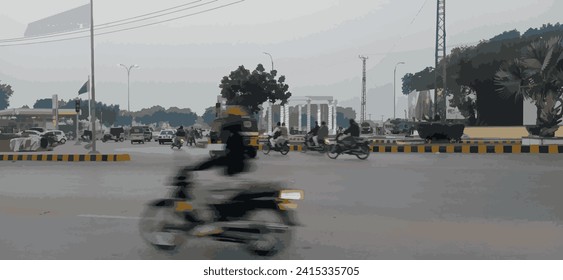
{"points": [[92, 84]]}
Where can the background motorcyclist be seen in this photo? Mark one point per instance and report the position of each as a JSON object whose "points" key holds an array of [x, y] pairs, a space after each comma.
{"points": [[314, 131], [321, 134], [352, 132], [180, 133], [276, 133], [283, 135]]}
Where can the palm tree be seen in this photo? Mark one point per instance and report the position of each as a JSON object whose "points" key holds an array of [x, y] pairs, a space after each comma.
{"points": [[538, 76]]}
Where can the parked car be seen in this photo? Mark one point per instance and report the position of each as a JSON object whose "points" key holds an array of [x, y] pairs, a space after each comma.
{"points": [[166, 135], [29, 132], [38, 129], [137, 134], [59, 135]]}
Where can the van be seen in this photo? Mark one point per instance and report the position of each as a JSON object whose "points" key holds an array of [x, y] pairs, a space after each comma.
{"points": [[137, 134]]}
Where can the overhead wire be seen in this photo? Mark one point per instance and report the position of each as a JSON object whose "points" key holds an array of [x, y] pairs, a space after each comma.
{"points": [[125, 29]]}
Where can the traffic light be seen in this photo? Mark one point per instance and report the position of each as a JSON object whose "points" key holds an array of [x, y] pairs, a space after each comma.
{"points": [[77, 105], [217, 108]]}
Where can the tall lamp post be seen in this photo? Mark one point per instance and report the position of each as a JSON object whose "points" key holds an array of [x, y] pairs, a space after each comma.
{"points": [[128, 68], [395, 90], [271, 59]]}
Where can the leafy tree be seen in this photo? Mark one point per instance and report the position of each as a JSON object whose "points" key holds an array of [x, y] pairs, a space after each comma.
{"points": [[209, 115], [538, 75], [46, 103], [251, 89], [472, 70], [6, 92]]}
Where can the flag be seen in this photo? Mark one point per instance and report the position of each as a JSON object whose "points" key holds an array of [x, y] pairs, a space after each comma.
{"points": [[74, 19], [84, 88]]}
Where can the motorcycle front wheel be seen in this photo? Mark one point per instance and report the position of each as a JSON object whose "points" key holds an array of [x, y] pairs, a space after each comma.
{"points": [[365, 152], [333, 151], [266, 149], [273, 235], [304, 148], [159, 226]]}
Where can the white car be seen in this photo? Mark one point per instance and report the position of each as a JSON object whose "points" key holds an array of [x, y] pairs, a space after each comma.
{"points": [[61, 137], [166, 135]]}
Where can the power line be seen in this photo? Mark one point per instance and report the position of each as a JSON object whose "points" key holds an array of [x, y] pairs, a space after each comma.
{"points": [[406, 29], [113, 23], [125, 29]]}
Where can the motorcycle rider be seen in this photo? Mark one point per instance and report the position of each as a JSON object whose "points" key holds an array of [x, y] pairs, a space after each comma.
{"points": [[321, 134], [191, 136], [233, 162], [180, 133], [314, 131], [352, 132], [283, 136], [276, 133]]}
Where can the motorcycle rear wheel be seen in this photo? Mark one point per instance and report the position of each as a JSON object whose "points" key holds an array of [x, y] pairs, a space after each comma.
{"points": [[153, 227], [365, 152], [284, 150], [268, 242]]}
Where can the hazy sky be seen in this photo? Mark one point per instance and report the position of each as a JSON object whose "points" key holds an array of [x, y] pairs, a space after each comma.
{"points": [[315, 43]]}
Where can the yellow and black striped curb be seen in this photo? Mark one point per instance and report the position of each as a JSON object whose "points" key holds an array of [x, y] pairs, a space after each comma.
{"points": [[459, 149], [291, 147], [470, 149], [491, 141], [67, 158], [485, 142]]}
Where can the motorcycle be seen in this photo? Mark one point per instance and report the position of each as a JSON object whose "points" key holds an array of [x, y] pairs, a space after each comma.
{"points": [[308, 145], [178, 142], [361, 149], [108, 137], [260, 216], [283, 147]]}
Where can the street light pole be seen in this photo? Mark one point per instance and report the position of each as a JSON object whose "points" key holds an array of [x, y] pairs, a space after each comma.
{"points": [[395, 90], [271, 59], [128, 68]]}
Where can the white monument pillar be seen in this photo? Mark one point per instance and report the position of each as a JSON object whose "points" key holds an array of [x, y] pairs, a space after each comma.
{"points": [[319, 113], [270, 107], [299, 118], [308, 115], [330, 118], [335, 114], [286, 115]]}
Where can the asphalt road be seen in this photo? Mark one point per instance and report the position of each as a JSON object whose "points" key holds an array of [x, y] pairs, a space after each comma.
{"points": [[392, 206]]}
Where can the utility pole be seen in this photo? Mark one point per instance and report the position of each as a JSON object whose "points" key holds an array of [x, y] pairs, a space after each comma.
{"points": [[395, 90], [363, 110], [440, 54]]}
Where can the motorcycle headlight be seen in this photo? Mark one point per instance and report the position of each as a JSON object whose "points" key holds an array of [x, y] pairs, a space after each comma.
{"points": [[292, 194], [327, 141]]}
